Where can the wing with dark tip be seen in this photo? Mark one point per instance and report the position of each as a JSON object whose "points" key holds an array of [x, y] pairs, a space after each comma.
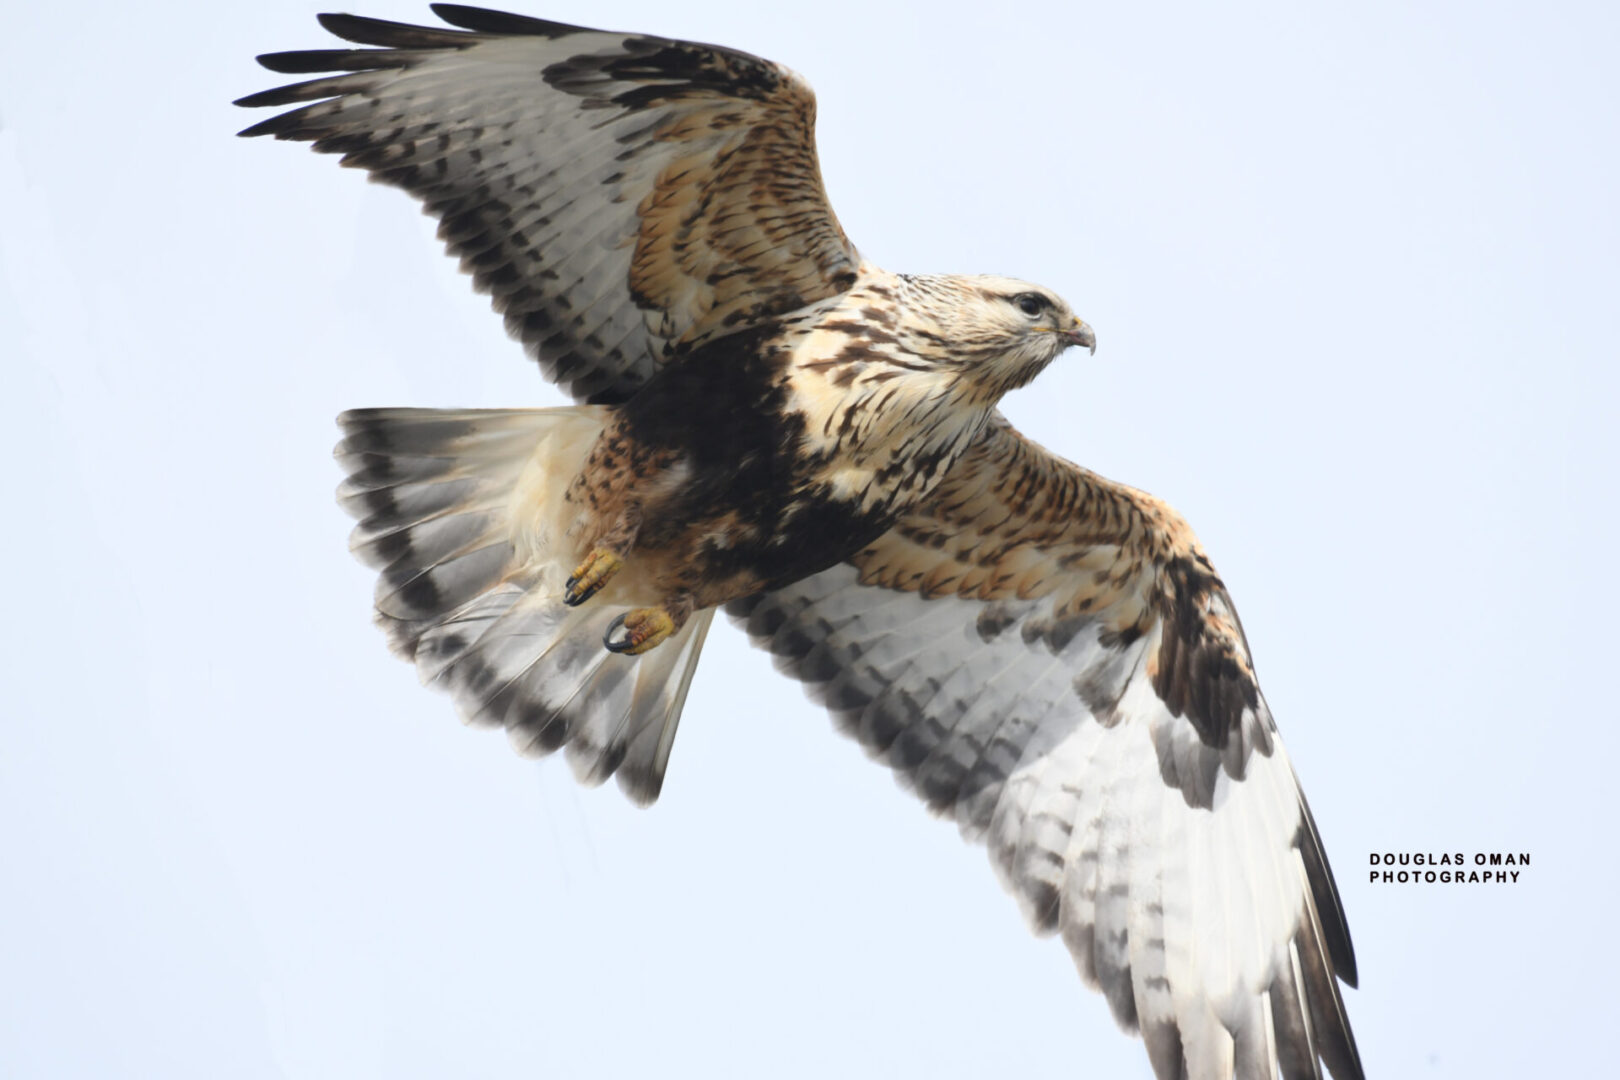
{"points": [[620, 196], [1049, 659]]}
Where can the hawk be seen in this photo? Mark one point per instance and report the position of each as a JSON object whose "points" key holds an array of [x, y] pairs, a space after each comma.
{"points": [[768, 423]]}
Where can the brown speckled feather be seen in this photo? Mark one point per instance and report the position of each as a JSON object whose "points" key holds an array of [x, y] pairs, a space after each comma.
{"points": [[620, 196]]}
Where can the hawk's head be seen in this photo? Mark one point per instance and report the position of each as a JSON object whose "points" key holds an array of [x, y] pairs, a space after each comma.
{"points": [[996, 333]]}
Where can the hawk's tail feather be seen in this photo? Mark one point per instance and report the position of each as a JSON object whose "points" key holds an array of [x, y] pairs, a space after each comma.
{"points": [[462, 512]]}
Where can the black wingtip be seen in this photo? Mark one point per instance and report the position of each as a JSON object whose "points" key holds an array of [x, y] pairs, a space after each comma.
{"points": [[337, 22], [394, 35], [272, 61], [343, 24], [1325, 890], [486, 21], [310, 61], [294, 62], [286, 126], [283, 95], [263, 127]]}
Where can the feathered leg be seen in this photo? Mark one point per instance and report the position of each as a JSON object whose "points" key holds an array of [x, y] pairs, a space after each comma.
{"points": [[606, 558]]}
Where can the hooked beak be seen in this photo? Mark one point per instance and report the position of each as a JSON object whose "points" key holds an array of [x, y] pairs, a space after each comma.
{"points": [[1081, 334]]}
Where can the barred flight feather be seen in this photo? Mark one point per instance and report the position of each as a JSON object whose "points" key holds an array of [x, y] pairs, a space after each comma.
{"points": [[620, 196], [1159, 830], [461, 512]]}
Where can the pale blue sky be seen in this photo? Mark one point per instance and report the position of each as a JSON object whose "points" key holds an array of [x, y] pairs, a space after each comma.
{"points": [[1353, 276]]}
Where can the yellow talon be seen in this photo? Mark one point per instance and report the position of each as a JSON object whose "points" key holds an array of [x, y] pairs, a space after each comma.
{"points": [[644, 629], [589, 576]]}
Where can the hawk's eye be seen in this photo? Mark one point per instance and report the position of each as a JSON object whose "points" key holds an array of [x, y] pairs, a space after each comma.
{"points": [[1031, 304]]}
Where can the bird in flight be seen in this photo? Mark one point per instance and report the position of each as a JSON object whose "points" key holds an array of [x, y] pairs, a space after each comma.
{"points": [[768, 423]]}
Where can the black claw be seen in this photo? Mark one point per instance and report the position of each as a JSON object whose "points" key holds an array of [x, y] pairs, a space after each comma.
{"points": [[573, 598], [607, 637]]}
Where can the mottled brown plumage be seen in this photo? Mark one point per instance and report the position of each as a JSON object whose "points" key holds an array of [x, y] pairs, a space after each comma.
{"points": [[770, 423], [1012, 521]]}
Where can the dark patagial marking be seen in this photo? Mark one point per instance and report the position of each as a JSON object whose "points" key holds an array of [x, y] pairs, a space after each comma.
{"points": [[660, 71], [1198, 676]]}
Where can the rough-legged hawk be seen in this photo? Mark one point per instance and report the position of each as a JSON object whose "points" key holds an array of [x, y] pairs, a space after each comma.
{"points": [[769, 423]]}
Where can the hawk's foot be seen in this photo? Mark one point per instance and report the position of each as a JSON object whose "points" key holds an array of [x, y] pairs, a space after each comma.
{"points": [[643, 629], [589, 576]]}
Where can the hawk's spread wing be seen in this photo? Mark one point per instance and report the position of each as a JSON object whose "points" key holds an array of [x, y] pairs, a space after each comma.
{"points": [[620, 196], [1050, 659]]}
